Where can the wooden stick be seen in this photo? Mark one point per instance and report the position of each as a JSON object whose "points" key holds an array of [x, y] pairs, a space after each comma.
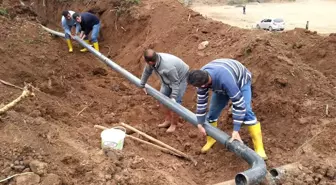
{"points": [[309, 140], [229, 29], [82, 110], [15, 86], [160, 143], [26, 92], [145, 142], [9, 84]]}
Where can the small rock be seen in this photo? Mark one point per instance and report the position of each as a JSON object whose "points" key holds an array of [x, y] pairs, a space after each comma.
{"points": [[28, 179], [2, 51], [322, 53], [26, 162], [187, 146], [99, 71], [308, 179], [323, 182], [38, 167], [6, 171], [331, 173], [35, 113], [109, 118], [19, 168], [108, 177], [26, 170], [286, 59], [16, 162], [282, 81], [7, 164], [318, 178], [21, 163], [51, 179], [322, 171], [192, 135], [203, 45], [118, 178]]}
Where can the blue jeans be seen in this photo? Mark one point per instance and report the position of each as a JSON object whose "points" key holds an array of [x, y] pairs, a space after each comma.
{"points": [[67, 36], [166, 90], [94, 34], [219, 101]]}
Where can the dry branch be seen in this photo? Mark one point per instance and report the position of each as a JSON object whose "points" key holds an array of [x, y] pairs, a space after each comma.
{"points": [[10, 177], [80, 112], [27, 91], [229, 29], [11, 85]]}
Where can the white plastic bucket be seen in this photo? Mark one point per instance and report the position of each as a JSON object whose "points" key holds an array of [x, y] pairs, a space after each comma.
{"points": [[113, 138]]}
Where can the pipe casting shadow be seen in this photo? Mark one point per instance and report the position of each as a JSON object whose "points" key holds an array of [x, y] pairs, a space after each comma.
{"points": [[254, 175]]}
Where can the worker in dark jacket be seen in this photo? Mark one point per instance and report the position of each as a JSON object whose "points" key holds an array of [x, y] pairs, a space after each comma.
{"points": [[229, 80], [88, 22]]}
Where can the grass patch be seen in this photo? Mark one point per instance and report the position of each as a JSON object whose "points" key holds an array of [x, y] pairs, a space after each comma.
{"points": [[3, 11], [125, 6]]}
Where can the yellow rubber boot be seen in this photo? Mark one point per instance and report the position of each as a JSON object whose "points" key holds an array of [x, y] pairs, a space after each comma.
{"points": [[69, 45], [96, 46], [84, 49], [255, 132], [210, 141]]}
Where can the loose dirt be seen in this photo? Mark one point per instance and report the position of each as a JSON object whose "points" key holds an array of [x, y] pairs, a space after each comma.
{"points": [[293, 83]]}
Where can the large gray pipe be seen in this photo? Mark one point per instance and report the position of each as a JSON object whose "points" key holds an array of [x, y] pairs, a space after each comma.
{"points": [[251, 176]]}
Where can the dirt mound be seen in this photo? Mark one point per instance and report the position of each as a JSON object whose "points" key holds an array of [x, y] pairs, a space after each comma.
{"points": [[293, 90]]}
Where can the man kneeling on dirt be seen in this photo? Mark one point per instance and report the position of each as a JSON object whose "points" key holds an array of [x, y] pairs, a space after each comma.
{"points": [[88, 22], [229, 80], [173, 74], [67, 23]]}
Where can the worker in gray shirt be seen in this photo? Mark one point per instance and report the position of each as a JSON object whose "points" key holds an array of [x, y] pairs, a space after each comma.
{"points": [[173, 73]]}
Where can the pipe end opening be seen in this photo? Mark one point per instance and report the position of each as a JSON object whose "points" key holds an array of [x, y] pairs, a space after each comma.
{"points": [[241, 179], [274, 172]]}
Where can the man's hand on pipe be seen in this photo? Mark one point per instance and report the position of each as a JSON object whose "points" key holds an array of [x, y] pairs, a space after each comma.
{"points": [[201, 130], [236, 136]]}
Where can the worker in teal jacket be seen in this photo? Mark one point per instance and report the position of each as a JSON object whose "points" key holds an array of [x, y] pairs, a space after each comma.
{"points": [[67, 23]]}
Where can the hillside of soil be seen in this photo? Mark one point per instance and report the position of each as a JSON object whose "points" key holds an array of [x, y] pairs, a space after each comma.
{"points": [[294, 80]]}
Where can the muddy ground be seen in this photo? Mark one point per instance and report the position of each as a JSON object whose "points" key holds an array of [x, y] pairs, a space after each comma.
{"points": [[293, 83]]}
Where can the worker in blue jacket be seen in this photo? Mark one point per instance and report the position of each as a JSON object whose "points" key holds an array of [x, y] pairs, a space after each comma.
{"points": [[229, 80], [88, 22], [67, 23]]}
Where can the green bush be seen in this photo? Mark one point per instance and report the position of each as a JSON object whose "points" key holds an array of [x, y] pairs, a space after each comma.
{"points": [[134, 1], [236, 2], [125, 6], [3, 12]]}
